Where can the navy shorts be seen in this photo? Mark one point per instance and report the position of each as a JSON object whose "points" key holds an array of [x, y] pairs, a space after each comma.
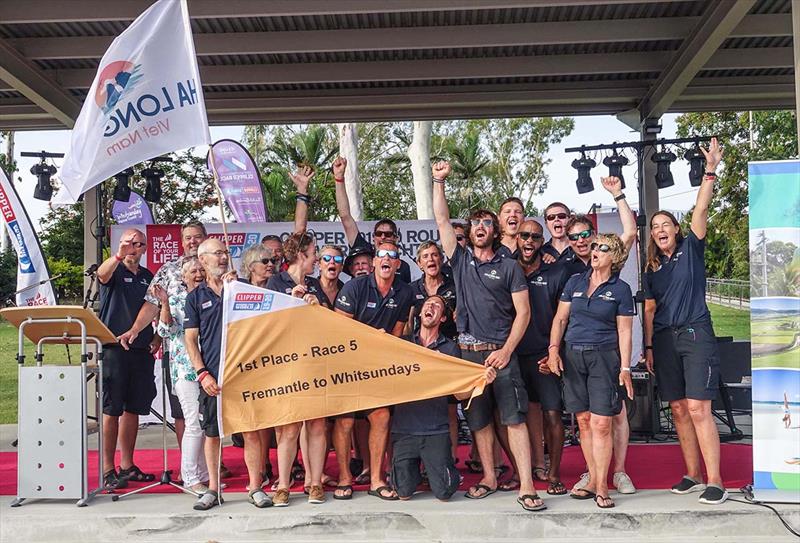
{"points": [[506, 393], [541, 389], [208, 414], [591, 381], [434, 452], [686, 362], [128, 381]]}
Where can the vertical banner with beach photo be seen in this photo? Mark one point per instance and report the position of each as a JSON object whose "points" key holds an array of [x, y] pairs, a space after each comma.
{"points": [[775, 328]]}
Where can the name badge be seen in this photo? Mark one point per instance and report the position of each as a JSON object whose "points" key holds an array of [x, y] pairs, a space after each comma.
{"points": [[371, 305], [128, 279], [420, 297], [206, 305]]}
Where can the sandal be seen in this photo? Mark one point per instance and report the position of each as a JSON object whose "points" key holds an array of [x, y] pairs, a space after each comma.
{"points": [[474, 466], [473, 495], [112, 480], [540, 474], [207, 501], [582, 494], [500, 470], [259, 498], [522, 500], [343, 488], [136, 475], [606, 501], [379, 493], [556, 488], [511, 484]]}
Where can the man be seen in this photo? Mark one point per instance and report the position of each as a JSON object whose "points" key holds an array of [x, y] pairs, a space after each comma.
{"points": [[384, 229], [203, 336], [511, 215], [128, 380], [545, 283], [557, 248], [460, 229], [359, 261], [420, 428], [381, 300], [493, 313]]}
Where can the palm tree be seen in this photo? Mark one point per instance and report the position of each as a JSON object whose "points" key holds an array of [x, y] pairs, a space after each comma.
{"points": [[467, 161]]}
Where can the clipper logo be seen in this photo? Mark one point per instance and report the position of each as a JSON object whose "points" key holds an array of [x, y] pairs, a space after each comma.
{"points": [[607, 295], [116, 80], [25, 263], [238, 241], [539, 281], [252, 301], [492, 275]]}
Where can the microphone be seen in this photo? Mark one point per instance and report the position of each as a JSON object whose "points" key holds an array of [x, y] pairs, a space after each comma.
{"points": [[90, 270]]}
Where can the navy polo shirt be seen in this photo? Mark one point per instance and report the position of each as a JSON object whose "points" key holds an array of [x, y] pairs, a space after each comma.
{"points": [[120, 301], [485, 307], [425, 417], [360, 297], [446, 290], [544, 290], [575, 265], [403, 272], [283, 282], [204, 311], [567, 255], [679, 286], [505, 252], [593, 320]]}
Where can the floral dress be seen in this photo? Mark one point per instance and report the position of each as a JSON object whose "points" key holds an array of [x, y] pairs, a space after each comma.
{"points": [[180, 367]]}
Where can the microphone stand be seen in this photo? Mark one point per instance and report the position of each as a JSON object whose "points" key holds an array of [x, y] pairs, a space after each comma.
{"points": [[11, 301]]}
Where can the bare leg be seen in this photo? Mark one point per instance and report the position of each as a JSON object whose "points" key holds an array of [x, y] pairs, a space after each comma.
{"points": [[314, 458], [555, 443], [378, 436], [180, 428], [583, 419], [687, 439], [536, 433], [502, 447], [265, 438], [252, 458], [601, 452], [110, 431], [341, 444], [621, 433], [305, 453], [287, 450], [361, 442], [484, 440], [128, 430], [708, 437], [519, 441], [211, 450]]}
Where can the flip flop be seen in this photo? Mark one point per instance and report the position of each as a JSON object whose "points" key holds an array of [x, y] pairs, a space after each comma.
{"points": [[474, 466], [556, 488], [379, 493], [605, 499], [507, 486], [586, 494], [540, 474], [533, 497], [344, 488], [487, 492]]}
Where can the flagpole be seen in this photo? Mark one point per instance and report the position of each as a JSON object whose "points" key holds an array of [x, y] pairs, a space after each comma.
{"points": [[221, 202]]}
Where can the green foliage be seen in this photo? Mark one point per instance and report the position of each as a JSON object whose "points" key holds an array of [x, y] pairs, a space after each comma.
{"points": [[8, 275], [62, 234], [70, 285], [773, 136]]}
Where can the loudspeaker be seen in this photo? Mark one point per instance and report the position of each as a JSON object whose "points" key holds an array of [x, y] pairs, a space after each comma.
{"points": [[643, 410], [734, 359]]}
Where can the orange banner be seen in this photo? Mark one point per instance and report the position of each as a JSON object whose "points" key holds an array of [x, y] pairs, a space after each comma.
{"points": [[299, 362]]}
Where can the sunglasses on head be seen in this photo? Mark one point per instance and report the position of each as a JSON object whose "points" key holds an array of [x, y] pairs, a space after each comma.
{"points": [[555, 216], [485, 222], [387, 252], [602, 247], [336, 258], [459, 237], [274, 261], [580, 235], [525, 236]]}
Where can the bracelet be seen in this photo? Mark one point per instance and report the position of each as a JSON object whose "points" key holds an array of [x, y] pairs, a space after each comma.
{"points": [[303, 198], [625, 369], [339, 180], [552, 347], [620, 197], [119, 258], [437, 180], [648, 347], [205, 374], [710, 175]]}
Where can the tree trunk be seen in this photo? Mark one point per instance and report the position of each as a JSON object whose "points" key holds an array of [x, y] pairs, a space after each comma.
{"points": [[348, 148], [419, 152]]}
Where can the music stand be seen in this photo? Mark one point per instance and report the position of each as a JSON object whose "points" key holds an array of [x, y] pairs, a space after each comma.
{"points": [[53, 427]]}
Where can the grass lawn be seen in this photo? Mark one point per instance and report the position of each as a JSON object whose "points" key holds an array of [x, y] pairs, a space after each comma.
{"points": [[730, 322]]}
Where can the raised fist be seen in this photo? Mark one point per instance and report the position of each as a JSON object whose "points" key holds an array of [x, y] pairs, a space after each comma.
{"points": [[339, 167], [441, 170]]}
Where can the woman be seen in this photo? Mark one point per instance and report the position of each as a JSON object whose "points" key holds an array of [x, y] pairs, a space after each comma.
{"points": [[596, 310], [184, 380], [300, 252], [680, 345]]}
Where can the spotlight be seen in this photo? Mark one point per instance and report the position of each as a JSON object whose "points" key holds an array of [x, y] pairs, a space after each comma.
{"points": [[152, 192], [42, 171], [663, 175], [122, 190], [615, 163], [584, 165], [697, 165]]}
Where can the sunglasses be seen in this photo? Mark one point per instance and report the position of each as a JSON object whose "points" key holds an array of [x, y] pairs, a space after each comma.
{"points": [[336, 258], [602, 247], [274, 261], [485, 222], [555, 216], [138, 244], [384, 234], [525, 236], [460, 237], [580, 235], [387, 252]]}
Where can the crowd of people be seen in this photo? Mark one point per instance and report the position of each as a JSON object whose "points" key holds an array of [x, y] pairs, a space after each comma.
{"points": [[551, 323]]}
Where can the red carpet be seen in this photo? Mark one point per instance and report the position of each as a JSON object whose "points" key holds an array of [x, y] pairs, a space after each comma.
{"points": [[650, 466]]}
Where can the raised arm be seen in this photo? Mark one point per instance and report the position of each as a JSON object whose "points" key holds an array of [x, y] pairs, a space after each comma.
{"points": [[441, 212], [125, 248], [614, 186], [700, 213], [301, 178], [342, 202]]}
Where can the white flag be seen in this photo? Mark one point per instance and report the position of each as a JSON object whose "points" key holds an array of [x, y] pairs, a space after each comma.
{"points": [[33, 277], [146, 100]]}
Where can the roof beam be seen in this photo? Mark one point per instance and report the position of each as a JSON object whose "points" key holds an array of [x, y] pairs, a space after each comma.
{"points": [[33, 11], [717, 22], [35, 85]]}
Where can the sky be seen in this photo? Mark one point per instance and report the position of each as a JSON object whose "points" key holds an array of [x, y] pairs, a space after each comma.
{"points": [[589, 130]]}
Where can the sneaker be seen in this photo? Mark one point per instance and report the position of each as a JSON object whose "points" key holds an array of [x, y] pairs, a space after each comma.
{"points": [[688, 485], [316, 494], [112, 480], [582, 482], [207, 501], [623, 483], [281, 497], [713, 495]]}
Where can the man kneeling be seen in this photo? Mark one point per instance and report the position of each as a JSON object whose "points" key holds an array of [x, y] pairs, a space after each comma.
{"points": [[420, 429]]}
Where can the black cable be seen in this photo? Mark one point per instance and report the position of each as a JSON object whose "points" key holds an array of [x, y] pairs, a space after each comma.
{"points": [[783, 521]]}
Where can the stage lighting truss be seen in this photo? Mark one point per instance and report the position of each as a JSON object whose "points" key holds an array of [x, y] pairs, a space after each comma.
{"points": [[122, 189], [584, 166], [615, 162], [43, 172], [662, 160]]}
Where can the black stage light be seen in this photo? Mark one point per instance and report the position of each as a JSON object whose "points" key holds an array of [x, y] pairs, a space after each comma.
{"points": [[122, 190], [584, 166], [152, 191], [663, 174], [44, 189], [697, 165], [615, 163]]}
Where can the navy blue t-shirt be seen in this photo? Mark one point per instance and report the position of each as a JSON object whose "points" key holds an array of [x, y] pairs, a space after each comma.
{"points": [[679, 286], [204, 311], [283, 282], [593, 320], [403, 272], [485, 307], [567, 255], [575, 265], [446, 290], [360, 297], [425, 417], [544, 290], [122, 298]]}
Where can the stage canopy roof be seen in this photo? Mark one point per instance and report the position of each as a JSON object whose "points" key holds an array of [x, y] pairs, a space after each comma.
{"points": [[283, 61]]}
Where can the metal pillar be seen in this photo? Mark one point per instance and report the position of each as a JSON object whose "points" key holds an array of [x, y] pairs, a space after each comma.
{"points": [[648, 192], [90, 244]]}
